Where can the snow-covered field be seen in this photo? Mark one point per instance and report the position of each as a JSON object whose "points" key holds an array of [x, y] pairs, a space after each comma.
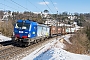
{"points": [[54, 51], [4, 38]]}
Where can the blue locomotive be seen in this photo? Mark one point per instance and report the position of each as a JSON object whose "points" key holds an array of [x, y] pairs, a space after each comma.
{"points": [[27, 32]]}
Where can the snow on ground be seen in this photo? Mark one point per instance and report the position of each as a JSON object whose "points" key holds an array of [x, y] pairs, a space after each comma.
{"points": [[66, 37], [54, 51], [4, 38]]}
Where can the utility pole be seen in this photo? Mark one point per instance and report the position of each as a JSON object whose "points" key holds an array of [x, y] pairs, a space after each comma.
{"points": [[57, 25]]}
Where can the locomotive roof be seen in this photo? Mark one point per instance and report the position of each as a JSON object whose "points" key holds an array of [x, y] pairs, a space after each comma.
{"points": [[43, 25], [27, 21]]}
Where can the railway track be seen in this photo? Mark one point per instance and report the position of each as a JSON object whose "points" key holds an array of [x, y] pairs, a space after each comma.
{"points": [[33, 47], [5, 43], [13, 51], [9, 52]]}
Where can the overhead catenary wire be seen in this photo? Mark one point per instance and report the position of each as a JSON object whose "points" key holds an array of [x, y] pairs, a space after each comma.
{"points": [[7, 6], [48, 6], [19, 5], [34, 5], [54, 5], [10, 5], [1, 9]]}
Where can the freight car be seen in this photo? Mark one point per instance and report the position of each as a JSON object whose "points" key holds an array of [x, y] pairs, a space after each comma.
{"points": [[27, 32], [55, 31]]}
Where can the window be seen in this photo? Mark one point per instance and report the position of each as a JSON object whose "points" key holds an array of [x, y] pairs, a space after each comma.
{"points": [[20, 25]]}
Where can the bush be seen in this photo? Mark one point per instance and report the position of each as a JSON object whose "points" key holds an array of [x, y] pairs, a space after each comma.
{"points": [[88, 32], [6, 28], [80, 43]]}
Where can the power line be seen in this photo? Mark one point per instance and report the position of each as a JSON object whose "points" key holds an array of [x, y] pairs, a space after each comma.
{"points": [[10, 3], [1, 8], [48, 6], [7, 6], [34, 5], [19, 5], [54, 5], [56, 19]]}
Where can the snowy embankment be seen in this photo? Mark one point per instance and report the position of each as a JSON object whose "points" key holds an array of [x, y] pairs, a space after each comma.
{"points": [[55, 51], [4, 38]]}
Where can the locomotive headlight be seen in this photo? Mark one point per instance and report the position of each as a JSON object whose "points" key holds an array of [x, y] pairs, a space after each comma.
{"points": [[20, 31], [29, 35]]}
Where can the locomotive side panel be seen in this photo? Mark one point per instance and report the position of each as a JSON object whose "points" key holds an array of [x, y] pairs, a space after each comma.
{"points": [[43, 30]]}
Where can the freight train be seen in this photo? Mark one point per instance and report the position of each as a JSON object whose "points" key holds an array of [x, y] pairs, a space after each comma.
{"points": [[27, 32]]}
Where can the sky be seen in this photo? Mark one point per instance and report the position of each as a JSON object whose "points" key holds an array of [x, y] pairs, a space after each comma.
{"points": [[72, 6]]}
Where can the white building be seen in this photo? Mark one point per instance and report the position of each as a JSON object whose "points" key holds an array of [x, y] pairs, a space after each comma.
{"points": [[5, 16], [72, 17]]}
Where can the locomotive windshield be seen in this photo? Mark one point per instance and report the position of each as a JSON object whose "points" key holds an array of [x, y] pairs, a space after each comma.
{"points": [[22, 25], [19, 24]]}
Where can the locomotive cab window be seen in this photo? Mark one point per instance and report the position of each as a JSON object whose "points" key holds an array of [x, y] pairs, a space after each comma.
{"points": [[19, 24], [22, 25], [26, 25]]}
